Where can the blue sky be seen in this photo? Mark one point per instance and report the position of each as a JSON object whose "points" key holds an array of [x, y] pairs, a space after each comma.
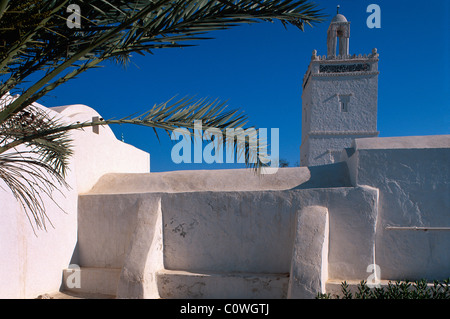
{"points": [[259, 68]]}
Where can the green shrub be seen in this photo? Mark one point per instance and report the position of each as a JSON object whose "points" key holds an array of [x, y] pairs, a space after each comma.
{"points": [[394, 290]]}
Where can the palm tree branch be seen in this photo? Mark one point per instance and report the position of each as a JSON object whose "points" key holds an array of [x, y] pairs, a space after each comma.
{"points": [[179, 114], [20, 103], [179, 18]]}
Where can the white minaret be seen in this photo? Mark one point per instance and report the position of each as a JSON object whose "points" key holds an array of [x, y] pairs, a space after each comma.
{"points": [[339, 99]]}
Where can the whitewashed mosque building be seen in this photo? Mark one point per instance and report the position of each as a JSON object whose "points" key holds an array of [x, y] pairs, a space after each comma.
{"points": [[359, 208]]}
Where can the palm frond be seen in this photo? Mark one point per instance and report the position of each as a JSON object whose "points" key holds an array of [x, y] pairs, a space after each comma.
{"points": [[33, 169], [32, 127], [115, 28], [167, 116]]}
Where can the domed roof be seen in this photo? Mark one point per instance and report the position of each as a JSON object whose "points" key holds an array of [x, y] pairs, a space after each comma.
{"points": [[339, 18]]}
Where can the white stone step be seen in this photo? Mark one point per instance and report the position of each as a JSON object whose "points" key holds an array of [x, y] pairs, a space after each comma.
{"points": [[176, 284], [87, 280]]}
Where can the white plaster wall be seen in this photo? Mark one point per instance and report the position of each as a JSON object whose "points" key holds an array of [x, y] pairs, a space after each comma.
{"points": [[221, 180], [318, 149], [106, 226], [321, 105], [309, 266], [145, 254], [31, 263], [362, 110], [413, 178], [251, 231], [229, 232], [303, 151], [306, 112], [178, 284], [11, 251]]}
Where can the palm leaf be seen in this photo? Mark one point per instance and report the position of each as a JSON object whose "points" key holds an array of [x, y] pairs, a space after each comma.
{"points": [[115, 28]]}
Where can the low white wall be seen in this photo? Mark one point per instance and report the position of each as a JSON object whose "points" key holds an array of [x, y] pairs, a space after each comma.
{"points": [[249, 231], [334, 175], [412, 174], [255, 231], [229, 231]]}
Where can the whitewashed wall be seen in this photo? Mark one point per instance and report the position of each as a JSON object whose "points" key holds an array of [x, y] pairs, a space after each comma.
{"points": [[325, 127], [98, 154], [32, 263], [413, 177]]}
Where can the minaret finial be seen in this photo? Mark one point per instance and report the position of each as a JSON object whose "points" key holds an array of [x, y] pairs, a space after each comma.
{"points": [[338, 9]]}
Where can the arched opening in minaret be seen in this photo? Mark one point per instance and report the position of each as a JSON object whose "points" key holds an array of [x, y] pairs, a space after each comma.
{"points": [[340, 43], [339, 35]]}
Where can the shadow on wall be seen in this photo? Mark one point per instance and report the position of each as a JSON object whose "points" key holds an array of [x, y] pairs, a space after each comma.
{"points": [[327, 176]]}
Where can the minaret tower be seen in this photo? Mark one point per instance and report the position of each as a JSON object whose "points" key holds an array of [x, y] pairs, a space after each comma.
{"points": [[339, 99]]}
